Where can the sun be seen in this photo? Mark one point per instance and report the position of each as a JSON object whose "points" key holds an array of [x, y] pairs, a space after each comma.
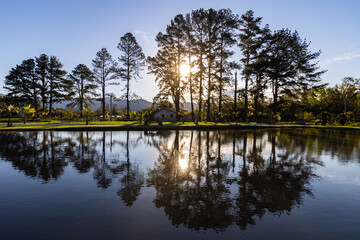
{"points": [[184, 70]]}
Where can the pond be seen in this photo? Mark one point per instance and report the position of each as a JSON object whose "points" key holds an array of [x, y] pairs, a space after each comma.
{"points": [[254, 184]]}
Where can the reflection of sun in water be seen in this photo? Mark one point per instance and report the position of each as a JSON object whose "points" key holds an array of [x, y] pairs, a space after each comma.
{"points": [[183, 163], [184, 69]]}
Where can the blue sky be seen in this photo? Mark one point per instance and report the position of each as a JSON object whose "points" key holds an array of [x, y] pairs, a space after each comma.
{"points": [[74, 30]]}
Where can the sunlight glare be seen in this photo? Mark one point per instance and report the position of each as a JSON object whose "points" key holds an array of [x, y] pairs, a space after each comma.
{"points": [[184, 69]]}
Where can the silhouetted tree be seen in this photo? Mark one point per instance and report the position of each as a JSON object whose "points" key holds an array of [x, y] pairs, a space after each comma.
{"points": [[105, 71], [22, 83], [83, 86], [42, 71], [250, 43], [133, 61], [59, 87]]}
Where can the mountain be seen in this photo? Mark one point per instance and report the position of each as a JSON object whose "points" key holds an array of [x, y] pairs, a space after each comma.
{"points": [[134, 105]]}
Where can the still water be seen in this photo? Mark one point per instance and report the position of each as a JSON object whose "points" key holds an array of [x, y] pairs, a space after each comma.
{"points": [[263, 184]]}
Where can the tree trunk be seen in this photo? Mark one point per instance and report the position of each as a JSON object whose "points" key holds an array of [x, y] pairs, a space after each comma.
{"points": [[103, 99], [191, 87], [127, 99], [246, 88], [201, 78], [235, 107], [111, 109], [220, 84], [246, 100], [81, 108]]}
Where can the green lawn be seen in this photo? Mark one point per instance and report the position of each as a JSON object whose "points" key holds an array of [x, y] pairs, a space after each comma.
{"points": [[133, 125]]}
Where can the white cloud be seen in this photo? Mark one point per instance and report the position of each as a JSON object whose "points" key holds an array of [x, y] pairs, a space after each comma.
{"points": [[143, 34], [344, 57]]}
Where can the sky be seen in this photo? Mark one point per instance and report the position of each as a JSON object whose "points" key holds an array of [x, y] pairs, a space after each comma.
{"points": [[74, 30]]}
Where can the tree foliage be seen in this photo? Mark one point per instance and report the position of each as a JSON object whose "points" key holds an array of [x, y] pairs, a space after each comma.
{"points": [[132, 60]]}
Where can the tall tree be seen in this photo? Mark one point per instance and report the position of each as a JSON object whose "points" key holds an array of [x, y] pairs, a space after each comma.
{"points": [[290, 63], [133, 61], [349, 90], [84, 86], [258, 70], [189, 52], [22, 83], [198, 25], [250, 32], [211, 36], [59, 87], [105, 71], [42, 65], [227, 25], [166, 63]]}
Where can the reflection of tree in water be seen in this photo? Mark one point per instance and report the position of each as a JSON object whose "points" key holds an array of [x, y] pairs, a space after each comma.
{"points": [[204, 195], [131, 179], [194, 196], [38, 155], [203, 179], [82, 152], [44, 155]]}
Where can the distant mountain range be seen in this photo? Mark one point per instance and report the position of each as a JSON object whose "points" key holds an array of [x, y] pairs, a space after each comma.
{"points": [[134, 105]]}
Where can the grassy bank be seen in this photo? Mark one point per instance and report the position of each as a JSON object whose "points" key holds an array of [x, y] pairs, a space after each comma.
{"points": [[96, 126]]}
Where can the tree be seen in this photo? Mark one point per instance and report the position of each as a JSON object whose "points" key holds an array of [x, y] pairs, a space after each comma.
{"points": [[211, 35], [165, 65], [349, 89], [42, 65], [87, 111], [105, 71], [227, 24], [250, 34], [84, 86], [22, 83], [10, 110], [133, 61], [28, 112], [198, 26], [258, 68], [59, 87], [290, 64], [189, 51]]}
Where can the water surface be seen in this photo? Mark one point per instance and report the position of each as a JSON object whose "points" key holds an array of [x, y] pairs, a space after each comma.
{"points": [[261, 184]]}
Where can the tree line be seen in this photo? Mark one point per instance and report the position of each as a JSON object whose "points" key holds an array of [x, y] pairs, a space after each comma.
{"points": [[279, 60], [42, 81]]}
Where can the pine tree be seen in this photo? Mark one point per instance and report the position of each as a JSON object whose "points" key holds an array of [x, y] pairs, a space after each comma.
{"points": [[290, 64], [83, 82], [59, 87], [250, 32], [189, 52], [42, 65], [198, 25], [211, 35], [166, 63], [133, 61], [105, 71], [22, 83], [227, 24], [164, 66]]}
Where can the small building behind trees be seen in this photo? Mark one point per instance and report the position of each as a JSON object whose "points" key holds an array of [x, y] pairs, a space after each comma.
{"points": [[165, 115], [297, 106]]}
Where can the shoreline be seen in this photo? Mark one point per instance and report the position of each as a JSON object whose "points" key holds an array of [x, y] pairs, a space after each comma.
{"points": [[167, 126]]}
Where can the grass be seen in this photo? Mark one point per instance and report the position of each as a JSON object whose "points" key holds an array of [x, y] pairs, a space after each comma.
{"points": [[133, 125]]}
